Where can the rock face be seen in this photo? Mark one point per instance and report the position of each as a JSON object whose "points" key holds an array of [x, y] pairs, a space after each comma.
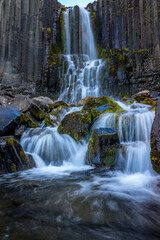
{"points": [[12, 157], [128, 31], [25, 31], [9, 120], [155, 140], [102, 147]]}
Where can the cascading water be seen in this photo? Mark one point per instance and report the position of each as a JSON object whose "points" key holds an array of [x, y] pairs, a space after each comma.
{"points": [[134, 128], [59, 199], [81, 73]]}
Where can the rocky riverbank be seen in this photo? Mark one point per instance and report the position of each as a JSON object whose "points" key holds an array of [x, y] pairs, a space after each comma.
{"points": [[18, 113]]}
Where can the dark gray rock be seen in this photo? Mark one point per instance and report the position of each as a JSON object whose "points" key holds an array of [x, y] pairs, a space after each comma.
{"points": [[103, 146], [9, 120], [155, 140], [12, 156]]}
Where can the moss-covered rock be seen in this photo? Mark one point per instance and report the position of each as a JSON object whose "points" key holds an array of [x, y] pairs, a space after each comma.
{"points": [[76, 125], [26, 120], [149, 101], [58, 104], [12, 156], [48, 121], [97, 106], [102, 147], [128, 100], [155, 140]]}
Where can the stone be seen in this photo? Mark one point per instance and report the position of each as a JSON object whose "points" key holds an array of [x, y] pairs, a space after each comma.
{"points": [[84, 100], [9, 120], [76, 125], [128, 100], [25, 104], [43, 102], [142, 95], [155, 140], [97, 106], [102, 147], [12, 156]]}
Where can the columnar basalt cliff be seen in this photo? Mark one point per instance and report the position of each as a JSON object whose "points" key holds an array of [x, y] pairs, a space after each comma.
{"points": [[25, 33], [128, 32]]}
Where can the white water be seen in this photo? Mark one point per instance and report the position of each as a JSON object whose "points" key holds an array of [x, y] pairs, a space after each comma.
{"points": [[81, 73], [134, 128], [48, 147]]}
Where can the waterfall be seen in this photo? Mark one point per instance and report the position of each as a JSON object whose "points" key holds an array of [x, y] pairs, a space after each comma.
{"points": [[48, 147], [81, 74], [134, 128]]}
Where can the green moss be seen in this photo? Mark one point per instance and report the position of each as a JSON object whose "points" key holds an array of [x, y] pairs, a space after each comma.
{"points": [[13, 168], [27, 121], [76, 125], [149, 101], [128, 100], [94, 106]]}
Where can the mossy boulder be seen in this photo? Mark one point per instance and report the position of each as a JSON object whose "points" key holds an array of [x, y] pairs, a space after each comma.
{"points": [[12, 157], [57, 104], [102, 147], [76, 125], [27, 121], [150, 102], [97, 106], [9, 120], [128, 100], [48, 121], [155, 140]]}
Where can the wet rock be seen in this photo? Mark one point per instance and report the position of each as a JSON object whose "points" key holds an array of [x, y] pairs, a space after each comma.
{"points": [[27, 121], [150, 101], [12, 156], [43, 102], [142, 95], [102, 148], [128, 100], [9, 120], [58, 104], [76, 125], [155, 140], [97, 106]]}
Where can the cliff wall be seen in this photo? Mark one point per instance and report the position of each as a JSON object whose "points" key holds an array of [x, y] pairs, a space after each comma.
{"points": [[129, 32], [25, 26]]}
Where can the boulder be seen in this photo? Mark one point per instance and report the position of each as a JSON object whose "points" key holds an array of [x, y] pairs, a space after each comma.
{"points": [[102, 147], [97, 106], [150, 102], [9, 120], [43, 102], [155, 140], [142, 95], [58, 104], [76, 125], [128, 100], [84, 100], [25, 104], [12, 156]]}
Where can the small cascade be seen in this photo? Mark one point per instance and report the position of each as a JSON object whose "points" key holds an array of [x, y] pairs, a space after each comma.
{"points": [[81, 73], [48, 147], [134, 128]]}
